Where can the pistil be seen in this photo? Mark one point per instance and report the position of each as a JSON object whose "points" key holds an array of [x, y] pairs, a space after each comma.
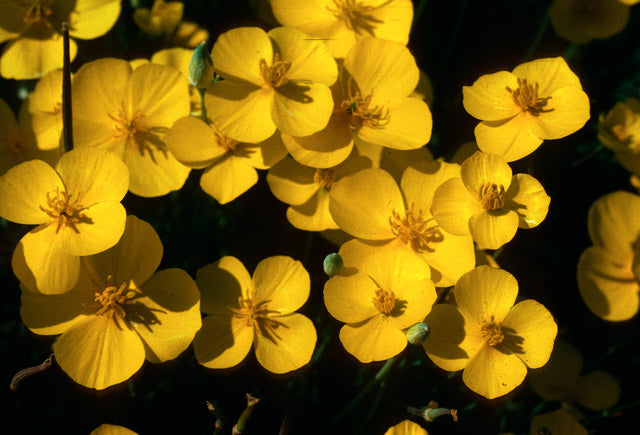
{"points": [[491, 196], [362, 111], [415, 229], [526, 97], [276, 74]]}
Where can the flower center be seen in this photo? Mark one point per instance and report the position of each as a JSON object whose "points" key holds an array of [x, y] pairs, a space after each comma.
{"points": [[526, 96], [226, 142], [620, 132], [325, 177], [61, 208], [361, 110], [384, 301], [357, 17], [491, 196], [113, 298], [276, 74], [414, 229], [492, 332], [258, 316], [36, 12], [126, 125]]}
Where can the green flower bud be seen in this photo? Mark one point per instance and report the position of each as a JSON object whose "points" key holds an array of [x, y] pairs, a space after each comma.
{"points": [[332, 264], [201, 67], [418, 333]]}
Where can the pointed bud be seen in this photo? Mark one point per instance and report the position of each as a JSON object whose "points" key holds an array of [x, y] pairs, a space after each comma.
{"points": [[332, 264], [418, 333], [201, 67]]}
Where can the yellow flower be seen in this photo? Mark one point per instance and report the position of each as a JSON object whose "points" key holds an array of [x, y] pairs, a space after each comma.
{"points": [[112, 429], [539, 100], [280, 79], [128, 112], [258, 311], [378, 294], [560, 379], [230, 166], [119, 313], [488, 202], [580, 21], [189, 35], [76, 207], [372, 104], [487, 336], [34, 26], [163, 18], [619, 130], [340, 23], [370, 206], [45, 107], [608, 271], [307, 190], [556, 422], [406, 427]]}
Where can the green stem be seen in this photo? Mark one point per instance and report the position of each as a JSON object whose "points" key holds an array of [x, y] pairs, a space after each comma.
{"points": [[67, 127], [203, 110], [542, 29], [374, 407], [418, 13], [447, 53]]}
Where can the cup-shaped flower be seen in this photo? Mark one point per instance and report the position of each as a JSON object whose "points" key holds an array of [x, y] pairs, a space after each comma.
{"points": [[307, 190], [619, 130], [128, 112], [76, 207], [560, 379], [120, 312], [259, 311], [538, 100], [230, 165], [489, 203], [378, 295], [34, 27], [277, 79], [372, 104], [370, 206], [493, 340], [609, 271], [340, 23], [162, 18], [580, 21]]}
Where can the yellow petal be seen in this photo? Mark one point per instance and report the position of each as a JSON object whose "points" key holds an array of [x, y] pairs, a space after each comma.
{"points": [[33, 55], [451, 258], [529, 199], [488, 98], [153, 171], [167, 315], [394, 20], [557, 379], [396, 162], [612, 222], [406, 427], [12, 21], [291, 182], [282, 283], [491, 230], [93, 18], [361, 204], [112, 429], [193, 143], [24, 189], [313, 215], [99, 352], [375, 339], [550, 74], [263, 155], [223, 341], [47, 93], [286, 348], [512, 139], [421, 179], [557, 422], [177, 57], [348, 298], [409, 125], [102, 229], [453, 206], [570, 112], [222, 283], [485, 292], [301, 109], [41, 264], [598, 391], [228, 178], [481, 169], [237, 54], [607, 285], [492, 373]]}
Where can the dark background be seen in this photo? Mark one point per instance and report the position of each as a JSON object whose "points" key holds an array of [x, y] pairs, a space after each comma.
{"points": [[491, 35]]}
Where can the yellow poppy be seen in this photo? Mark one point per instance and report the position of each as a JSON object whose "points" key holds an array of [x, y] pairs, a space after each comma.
{"points": [[488, 202], [556, 422], [580, 21], [619, 130], [76, 207], [608, 271], [378, 294], [277, 79], [120, 312], [162, 18], [493, 340], [128, 112], [406, 427], [538, 100], [34, 25], [341, 23], [259, 311]]}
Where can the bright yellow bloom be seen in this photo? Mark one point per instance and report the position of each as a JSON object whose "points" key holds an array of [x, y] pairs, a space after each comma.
{"points": [[341, 23], [307, 190], [556, 422], [539, 100], [488, 202], [372, 104], [560, 379], [128, 112], [76, 207], [112, 429], [487, 336], [230, 166], [619, 130], [258, 311], [119, 313], [163, 18], [390, 292], [580, 21], [277, 79], [406, 427], [370, 206], [608, 271], [34, 24]]}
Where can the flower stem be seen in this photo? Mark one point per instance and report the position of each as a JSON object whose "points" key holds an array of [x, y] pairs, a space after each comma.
{"points": [[203, 110], [67, 126], [418, 13], [535, 42]]}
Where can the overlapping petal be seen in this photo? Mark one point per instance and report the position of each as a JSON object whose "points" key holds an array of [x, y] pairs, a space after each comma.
{"points": [[375, 339], [282, 283], [492, 373]]}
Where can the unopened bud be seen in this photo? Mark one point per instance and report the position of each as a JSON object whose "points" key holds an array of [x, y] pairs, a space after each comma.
{"points": [[201, 67], [418, 333], [332, 264], [433, 411]]}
